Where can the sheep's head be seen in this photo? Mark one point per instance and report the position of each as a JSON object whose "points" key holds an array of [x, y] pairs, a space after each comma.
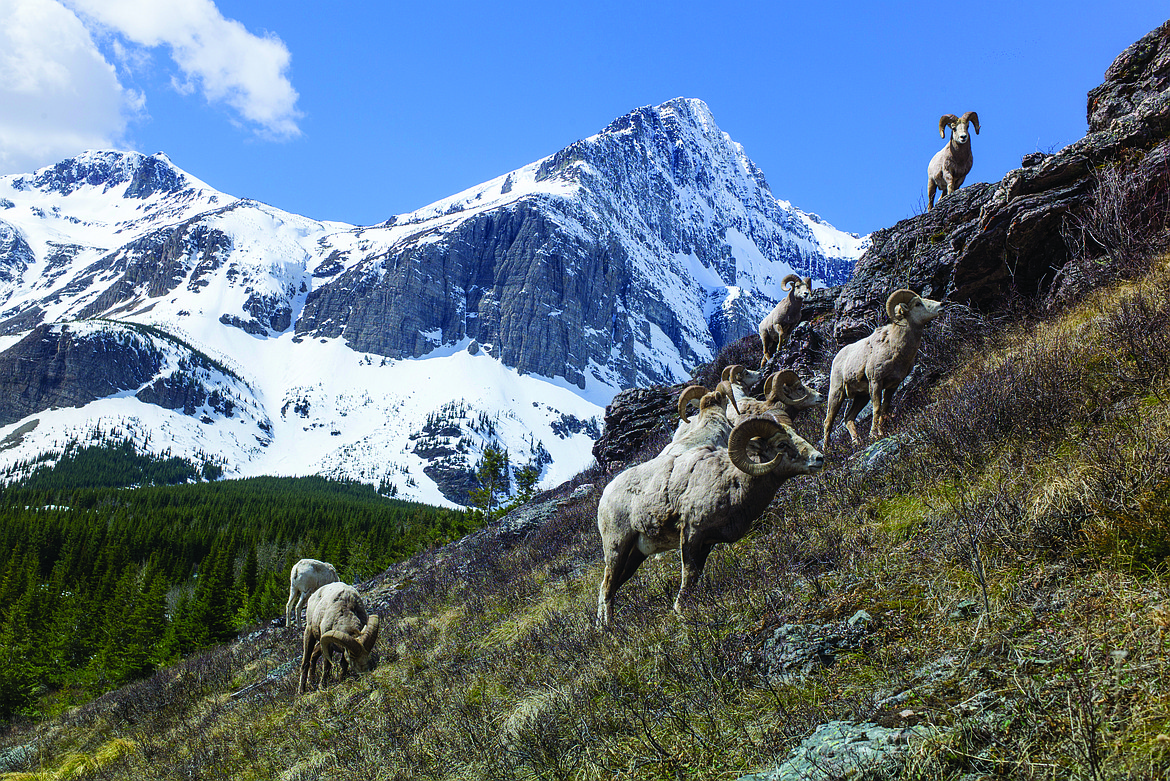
{"points": [[906, 306], [741, 376], [797, 287], [720, 397], [358, 648], [785, 451], [733, 373], [787, 388], [958, 126]]}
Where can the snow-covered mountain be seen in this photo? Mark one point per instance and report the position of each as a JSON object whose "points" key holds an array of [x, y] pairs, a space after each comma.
{"points": [[137, 301]]}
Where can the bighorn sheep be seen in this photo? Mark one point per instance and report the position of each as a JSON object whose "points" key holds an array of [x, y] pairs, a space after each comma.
{"points": [[711, 427], [784, 394], [336, 619], [875, 366], [306, 576], [741, 378], [777, 326], [694, 499], [951, 164]]}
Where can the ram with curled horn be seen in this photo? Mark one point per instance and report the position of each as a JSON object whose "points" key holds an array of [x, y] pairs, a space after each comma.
{"points": [[784, 395], [951, 164], [693, 500], [777, 326], [872, 369], [336, 620]]}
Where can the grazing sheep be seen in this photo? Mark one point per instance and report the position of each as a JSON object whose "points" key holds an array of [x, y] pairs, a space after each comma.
{"points": [[875, 366], [306, 576], [951, 164], [694, 499], [784, 394], [776, 327], [336, 620]]}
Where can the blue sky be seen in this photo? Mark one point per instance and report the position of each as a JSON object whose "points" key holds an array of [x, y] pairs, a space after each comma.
{"points": [[359, 111]]}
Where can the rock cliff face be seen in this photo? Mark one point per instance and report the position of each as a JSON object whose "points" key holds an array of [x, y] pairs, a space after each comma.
{"points": [[988, 241], [626, 255], [57, 367]]}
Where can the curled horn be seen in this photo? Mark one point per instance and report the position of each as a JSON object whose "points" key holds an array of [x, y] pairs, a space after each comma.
{"points": [[732, 373], [945, 121], [725, 388], [902, 296], [741, 435], [973, 118], [777, 381], [689, 394], [792, 280], [808, 283], [346, 641], [369, 634]]}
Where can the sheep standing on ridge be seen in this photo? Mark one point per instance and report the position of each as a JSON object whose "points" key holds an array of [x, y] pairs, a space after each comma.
{"points": [[306, 576], [951, 164], [875, 366], [777, 326], [336, 620], [693, 500]]}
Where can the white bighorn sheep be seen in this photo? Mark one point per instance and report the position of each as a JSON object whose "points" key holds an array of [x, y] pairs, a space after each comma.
{"points": [[694, 499], [777, 326], [875, 366], [784, 394], [741, 378], [336, 620], [305, 577], [951, 164], [711, 427]]}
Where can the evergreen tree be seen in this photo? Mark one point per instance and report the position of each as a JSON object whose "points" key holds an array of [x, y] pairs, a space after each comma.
{"points": [[526, 477], [494, 478]]}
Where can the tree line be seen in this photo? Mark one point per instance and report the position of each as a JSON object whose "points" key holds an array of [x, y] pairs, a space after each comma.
{"points": [[100, 585]]}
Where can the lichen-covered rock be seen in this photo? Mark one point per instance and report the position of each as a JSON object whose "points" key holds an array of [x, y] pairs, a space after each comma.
{"points": [[845, 749]]}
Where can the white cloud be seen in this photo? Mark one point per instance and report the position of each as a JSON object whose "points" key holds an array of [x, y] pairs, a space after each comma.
{"points": [[58, 95], [215, 55]]}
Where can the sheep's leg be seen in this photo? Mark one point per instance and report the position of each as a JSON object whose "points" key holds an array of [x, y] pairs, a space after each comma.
{"points": [[877, 395], [836, 397], [308, 660], [694, 556], [292, 600], [856, 405], [621, 562], [880, 406], [768, 338], [931, 187], [302, 603]]}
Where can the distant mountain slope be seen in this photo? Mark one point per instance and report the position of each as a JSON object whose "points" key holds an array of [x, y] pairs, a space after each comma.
{"points": [[626, 258]]}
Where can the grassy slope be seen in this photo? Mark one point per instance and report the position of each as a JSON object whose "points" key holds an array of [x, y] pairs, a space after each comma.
{"points": [[1014, 564]]}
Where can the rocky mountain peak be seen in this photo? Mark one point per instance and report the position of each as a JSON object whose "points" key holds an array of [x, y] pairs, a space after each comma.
{"points": [[109, 169]]}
